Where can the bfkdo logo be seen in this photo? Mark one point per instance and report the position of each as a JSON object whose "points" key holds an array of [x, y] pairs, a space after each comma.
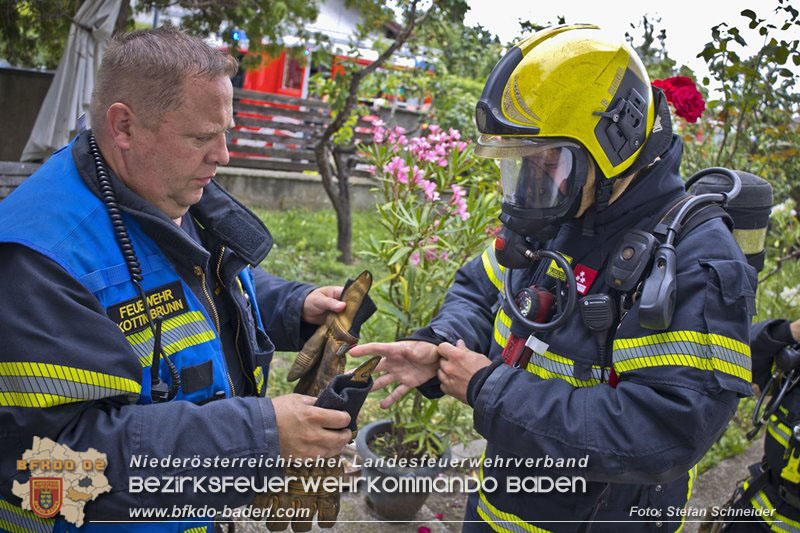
{"points": [[46, 496]]}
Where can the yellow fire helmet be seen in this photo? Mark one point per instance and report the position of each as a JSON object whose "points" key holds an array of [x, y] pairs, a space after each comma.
{"points": [[572, 82]]}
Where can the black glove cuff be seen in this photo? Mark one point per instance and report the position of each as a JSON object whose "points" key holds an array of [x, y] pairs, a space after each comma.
{"points": [[344, 394], [425, 334], [478, 379], [781, 331]]}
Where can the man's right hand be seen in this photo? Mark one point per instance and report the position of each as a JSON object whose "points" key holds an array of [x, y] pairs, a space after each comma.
{"points": [[304, 430], [410, 363]]}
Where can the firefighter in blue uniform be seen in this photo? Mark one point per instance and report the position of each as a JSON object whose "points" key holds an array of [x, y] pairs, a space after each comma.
{"points": [[586, 154], [771, 495], [136, 321]]}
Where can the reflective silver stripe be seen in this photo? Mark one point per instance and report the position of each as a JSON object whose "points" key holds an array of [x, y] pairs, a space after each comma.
{"points": [[177, 333], [502, 328], [504, 522], [704, 351], [18, 520], [57, 387], [29, 384], [779, 431], [259, 375], [684, 348], [550, 366], [776, 521]]}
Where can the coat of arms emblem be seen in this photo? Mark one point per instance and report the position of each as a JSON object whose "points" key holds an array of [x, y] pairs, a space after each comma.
{"points": [[46, 496]]}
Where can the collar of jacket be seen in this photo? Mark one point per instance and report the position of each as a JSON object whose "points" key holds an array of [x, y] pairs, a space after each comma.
{"points": [[221, 215], [649, 192]]}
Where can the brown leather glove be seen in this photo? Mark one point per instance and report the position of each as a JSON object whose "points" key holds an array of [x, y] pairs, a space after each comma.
{"points": [[321, 359]]}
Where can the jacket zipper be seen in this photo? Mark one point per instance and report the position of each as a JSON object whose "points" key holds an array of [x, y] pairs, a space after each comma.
{"points": [[238, 318], [202, 275]]}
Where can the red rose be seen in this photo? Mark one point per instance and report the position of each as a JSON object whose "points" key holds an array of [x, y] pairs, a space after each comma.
{"points": [[682, 93]]}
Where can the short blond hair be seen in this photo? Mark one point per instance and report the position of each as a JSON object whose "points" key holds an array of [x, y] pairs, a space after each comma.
{"points": [[147, 69]]}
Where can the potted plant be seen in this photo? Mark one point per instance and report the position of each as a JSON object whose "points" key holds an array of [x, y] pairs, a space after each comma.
{"points": [[439, 203]]}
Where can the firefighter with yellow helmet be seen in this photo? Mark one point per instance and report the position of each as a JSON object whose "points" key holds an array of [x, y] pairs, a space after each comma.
{"points": [[601, 336]]}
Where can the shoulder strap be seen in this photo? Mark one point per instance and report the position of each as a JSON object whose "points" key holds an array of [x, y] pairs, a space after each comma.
{"points": [[696, 216]]}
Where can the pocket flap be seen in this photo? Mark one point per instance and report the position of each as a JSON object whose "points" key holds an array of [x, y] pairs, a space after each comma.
{"points": [[736, 279]]}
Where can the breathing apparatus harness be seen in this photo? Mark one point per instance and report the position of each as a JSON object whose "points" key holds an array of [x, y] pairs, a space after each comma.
{"points": [[641, 269], [159, 391]]}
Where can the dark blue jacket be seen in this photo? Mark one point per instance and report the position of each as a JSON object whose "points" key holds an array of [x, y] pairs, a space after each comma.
{"points": [[678, 388], [51, 317], [778, 494]]}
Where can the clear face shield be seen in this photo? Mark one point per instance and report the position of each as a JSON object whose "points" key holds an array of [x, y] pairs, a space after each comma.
{"points": [[541, 181]]}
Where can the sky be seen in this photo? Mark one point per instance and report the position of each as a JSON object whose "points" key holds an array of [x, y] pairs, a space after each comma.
{"points": [[688, 23]]}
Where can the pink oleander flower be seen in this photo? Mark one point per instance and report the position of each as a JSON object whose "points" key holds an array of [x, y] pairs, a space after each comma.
{"points": [[371, 169], [430, 190], [397, 168], [418, 174], [430, 254], [459, 201], [444, 256], [454, 134], [435, 128], [414, 258], [460, 146]]}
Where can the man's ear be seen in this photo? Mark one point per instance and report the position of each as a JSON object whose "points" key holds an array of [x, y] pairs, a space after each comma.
{"points": [[119, 122]]}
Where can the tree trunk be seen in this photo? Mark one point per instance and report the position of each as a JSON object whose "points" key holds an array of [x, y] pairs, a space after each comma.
{"points": [[344, 226], [121, 26]]}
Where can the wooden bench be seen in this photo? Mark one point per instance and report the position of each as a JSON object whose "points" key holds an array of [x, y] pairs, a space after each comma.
{"points": [[277, 132]]}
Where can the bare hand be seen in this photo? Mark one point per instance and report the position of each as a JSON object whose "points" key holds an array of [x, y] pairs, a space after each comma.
{"points": [[303, 429], [795, 327], [457, 367], [320, 301], [410, 363]]}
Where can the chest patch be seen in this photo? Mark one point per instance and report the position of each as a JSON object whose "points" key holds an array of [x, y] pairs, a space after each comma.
{"points": [[555, 271], [584, 278], [165, 301]]}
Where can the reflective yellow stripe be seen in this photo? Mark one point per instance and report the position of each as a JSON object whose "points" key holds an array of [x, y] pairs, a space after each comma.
{"points": [[502, 328], [177, 333], [549, 365], [197, 530], [494, 271], [171, 348], [751, 241], [779, 431], [26, 384], [18, 520], [499, 520], [777, 522], [692, 476], [259, 375], [704, 351]]}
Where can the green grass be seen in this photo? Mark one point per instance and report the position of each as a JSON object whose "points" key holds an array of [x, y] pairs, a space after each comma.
{"points": [[305, 245]]}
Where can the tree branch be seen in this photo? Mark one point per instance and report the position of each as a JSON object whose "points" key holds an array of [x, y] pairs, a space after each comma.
{"points": [[793, 255], [355, 80]]}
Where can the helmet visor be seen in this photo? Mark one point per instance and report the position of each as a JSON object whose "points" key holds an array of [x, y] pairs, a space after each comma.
{"points": [[535, 174]]}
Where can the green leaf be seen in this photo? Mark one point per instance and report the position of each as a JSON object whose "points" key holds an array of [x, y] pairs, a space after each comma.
{"points": [[749, 13], [399, 254]]}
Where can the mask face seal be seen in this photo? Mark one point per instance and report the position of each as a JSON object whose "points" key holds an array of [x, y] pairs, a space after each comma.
{"points": [[541, 181]]}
